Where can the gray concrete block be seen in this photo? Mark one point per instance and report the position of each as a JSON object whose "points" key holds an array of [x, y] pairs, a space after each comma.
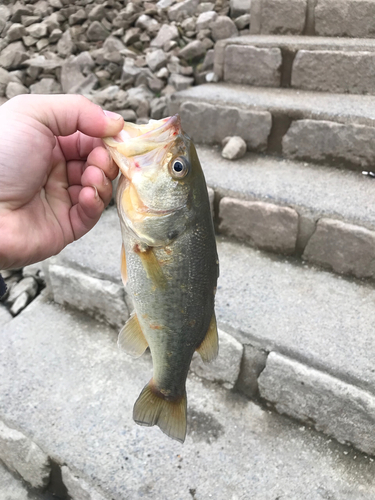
{"points": [[252, 65], [261, 224], [334, 407], [355, 18], [281, 17], [346, 248], [226, 367], [208, 123], [23, 456], [333, 71], [99, 298], [253, 363], [336, 143], [78, 489]]}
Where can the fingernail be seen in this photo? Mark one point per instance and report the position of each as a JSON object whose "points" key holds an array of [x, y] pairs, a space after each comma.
{"points": [[96, 192], [112, 115], [106, 180]]}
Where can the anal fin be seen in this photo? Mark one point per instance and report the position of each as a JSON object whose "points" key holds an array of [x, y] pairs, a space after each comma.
{"points": [[131, 338], [209, 348], [151, 408]]}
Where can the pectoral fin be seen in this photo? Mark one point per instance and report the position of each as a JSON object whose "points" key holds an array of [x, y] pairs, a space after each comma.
{"points": [[152, 267], [209, 348], [124, 271], [131, 338]]}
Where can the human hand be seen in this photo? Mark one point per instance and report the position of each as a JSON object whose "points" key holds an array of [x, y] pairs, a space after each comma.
{"points": [[54, 174]]}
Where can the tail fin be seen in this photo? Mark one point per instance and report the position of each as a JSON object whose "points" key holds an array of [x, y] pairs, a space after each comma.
{"points": [[152, 409]]}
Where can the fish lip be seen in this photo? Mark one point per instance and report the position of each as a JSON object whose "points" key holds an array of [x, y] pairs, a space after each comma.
{"points": [[172, 121]]}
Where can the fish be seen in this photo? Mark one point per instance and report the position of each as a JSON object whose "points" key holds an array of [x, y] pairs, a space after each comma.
{"points": [[169, 263]]}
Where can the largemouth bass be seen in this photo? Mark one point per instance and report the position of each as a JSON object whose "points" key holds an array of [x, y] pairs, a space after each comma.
{"points": [[169, 262]]}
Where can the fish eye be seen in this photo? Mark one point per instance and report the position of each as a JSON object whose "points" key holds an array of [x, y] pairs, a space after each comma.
{"points": [[180, 167]]}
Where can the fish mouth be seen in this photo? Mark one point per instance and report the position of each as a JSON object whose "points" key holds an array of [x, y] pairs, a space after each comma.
{"points": [[136, 140]]}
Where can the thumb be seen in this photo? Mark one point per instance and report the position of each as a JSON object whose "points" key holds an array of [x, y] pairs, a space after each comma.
{"points": [[65, 114]]}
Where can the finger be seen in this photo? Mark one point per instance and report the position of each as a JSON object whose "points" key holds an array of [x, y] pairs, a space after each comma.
{"points": [[74, 193], [78, 146], [75, 169], [65, 114], [94, 176], [86, 213], [101, 158]]}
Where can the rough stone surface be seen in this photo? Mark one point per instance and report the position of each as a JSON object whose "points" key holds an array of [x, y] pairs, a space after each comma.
{"points": [[23, 456], [65, 44], [226, 367], [101, 299], [345, 18], [78, 489], [85, 405], [205, 19], [253, 363], [97, 32], [38, 30], [345, 248], [193, 50], [28, 285], [223, 27], [332, 71], [15, 88], [182, 10], [15, 32], [239, 7], [20, 303], [14, 489], [263, 225], [46, 86], [235, 148], [5, 315], [335, 143], [253, 65], [180, 82], [208, 123], [156, 59], [166, 34], [336, 408], [281, 18]]}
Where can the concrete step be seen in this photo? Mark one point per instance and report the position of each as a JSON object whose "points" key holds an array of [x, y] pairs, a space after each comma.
{"points": [[65, 385], [14, 488], [340, 65], [306, 334], [352, 18], [334, 129], [322, 214]]}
